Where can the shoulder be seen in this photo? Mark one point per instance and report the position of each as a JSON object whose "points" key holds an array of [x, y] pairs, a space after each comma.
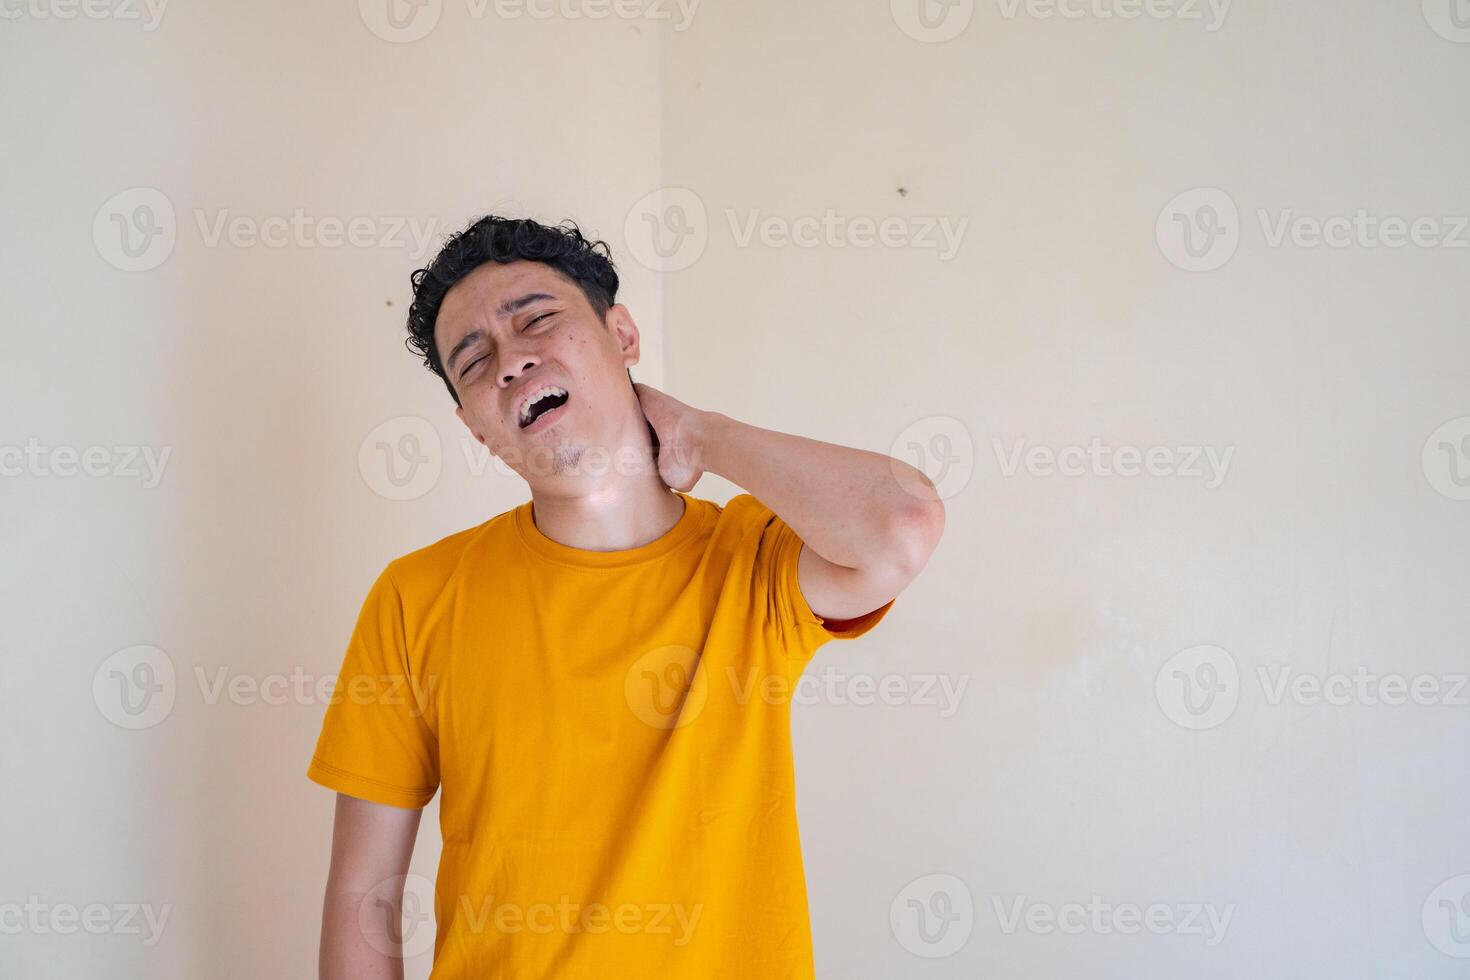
{"points": [[749, 516], [744, 509], [429, 567], [747, 526]]}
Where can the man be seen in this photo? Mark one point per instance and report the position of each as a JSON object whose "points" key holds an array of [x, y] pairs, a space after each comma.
{"points": [[598, 681]]}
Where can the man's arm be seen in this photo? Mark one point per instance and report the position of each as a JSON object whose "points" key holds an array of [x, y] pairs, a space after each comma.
{"points": [[868, 522], [371, 844], [866, 535]]}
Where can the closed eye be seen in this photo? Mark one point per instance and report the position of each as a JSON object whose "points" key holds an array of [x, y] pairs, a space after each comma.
{"points": [[529, 324], [465, 373]]}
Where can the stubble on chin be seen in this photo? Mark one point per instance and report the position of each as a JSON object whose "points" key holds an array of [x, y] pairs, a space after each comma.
{"points": [[565, 458], [557, 459]]}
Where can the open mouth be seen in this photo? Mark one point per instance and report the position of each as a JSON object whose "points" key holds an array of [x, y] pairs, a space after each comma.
{"points": [[544, 404]]}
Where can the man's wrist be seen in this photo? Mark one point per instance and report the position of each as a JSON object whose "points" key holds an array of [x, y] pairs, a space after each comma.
{"points": [[709, 433]]}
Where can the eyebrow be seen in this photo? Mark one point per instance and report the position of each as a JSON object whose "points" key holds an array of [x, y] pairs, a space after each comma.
{"points": [[505, 309]]}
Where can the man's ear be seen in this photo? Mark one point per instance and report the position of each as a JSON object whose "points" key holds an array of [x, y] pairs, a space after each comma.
{"points": [[460, 412], [625, 332]]}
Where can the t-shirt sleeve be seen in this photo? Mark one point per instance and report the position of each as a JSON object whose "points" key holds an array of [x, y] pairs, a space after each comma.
{"points": [[778, 551], [375, 742]]}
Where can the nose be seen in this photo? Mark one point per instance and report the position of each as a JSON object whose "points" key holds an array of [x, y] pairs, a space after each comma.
{"points": [[526, 362]]}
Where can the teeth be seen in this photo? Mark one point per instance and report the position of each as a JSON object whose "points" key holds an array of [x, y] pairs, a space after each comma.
{"points": [[548, 391]]}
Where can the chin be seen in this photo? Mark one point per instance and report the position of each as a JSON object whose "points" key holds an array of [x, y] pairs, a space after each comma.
{"points": [[549, 457]]}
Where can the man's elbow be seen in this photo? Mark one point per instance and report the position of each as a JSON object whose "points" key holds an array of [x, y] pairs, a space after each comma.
{"points": [[917, 530]]}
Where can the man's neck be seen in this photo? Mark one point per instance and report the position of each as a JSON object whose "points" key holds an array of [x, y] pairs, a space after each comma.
{"points": [[622, 515]]}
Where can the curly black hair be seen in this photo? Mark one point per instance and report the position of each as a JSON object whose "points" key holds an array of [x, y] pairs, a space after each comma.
{"points": [[498, 239]]}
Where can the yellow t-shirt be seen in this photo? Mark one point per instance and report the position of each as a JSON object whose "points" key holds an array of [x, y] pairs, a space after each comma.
{"points": [[611, 731]]}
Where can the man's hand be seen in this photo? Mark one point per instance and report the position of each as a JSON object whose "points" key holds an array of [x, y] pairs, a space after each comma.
{"points": [[680, 429], [868, 522]]}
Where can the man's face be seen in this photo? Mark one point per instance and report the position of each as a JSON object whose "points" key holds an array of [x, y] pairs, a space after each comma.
{"points": [[508, 331]]}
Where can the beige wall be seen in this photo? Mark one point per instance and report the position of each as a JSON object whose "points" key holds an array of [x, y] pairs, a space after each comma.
{"points": [[1037, 743], [262, 371], [1055, 603]]}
